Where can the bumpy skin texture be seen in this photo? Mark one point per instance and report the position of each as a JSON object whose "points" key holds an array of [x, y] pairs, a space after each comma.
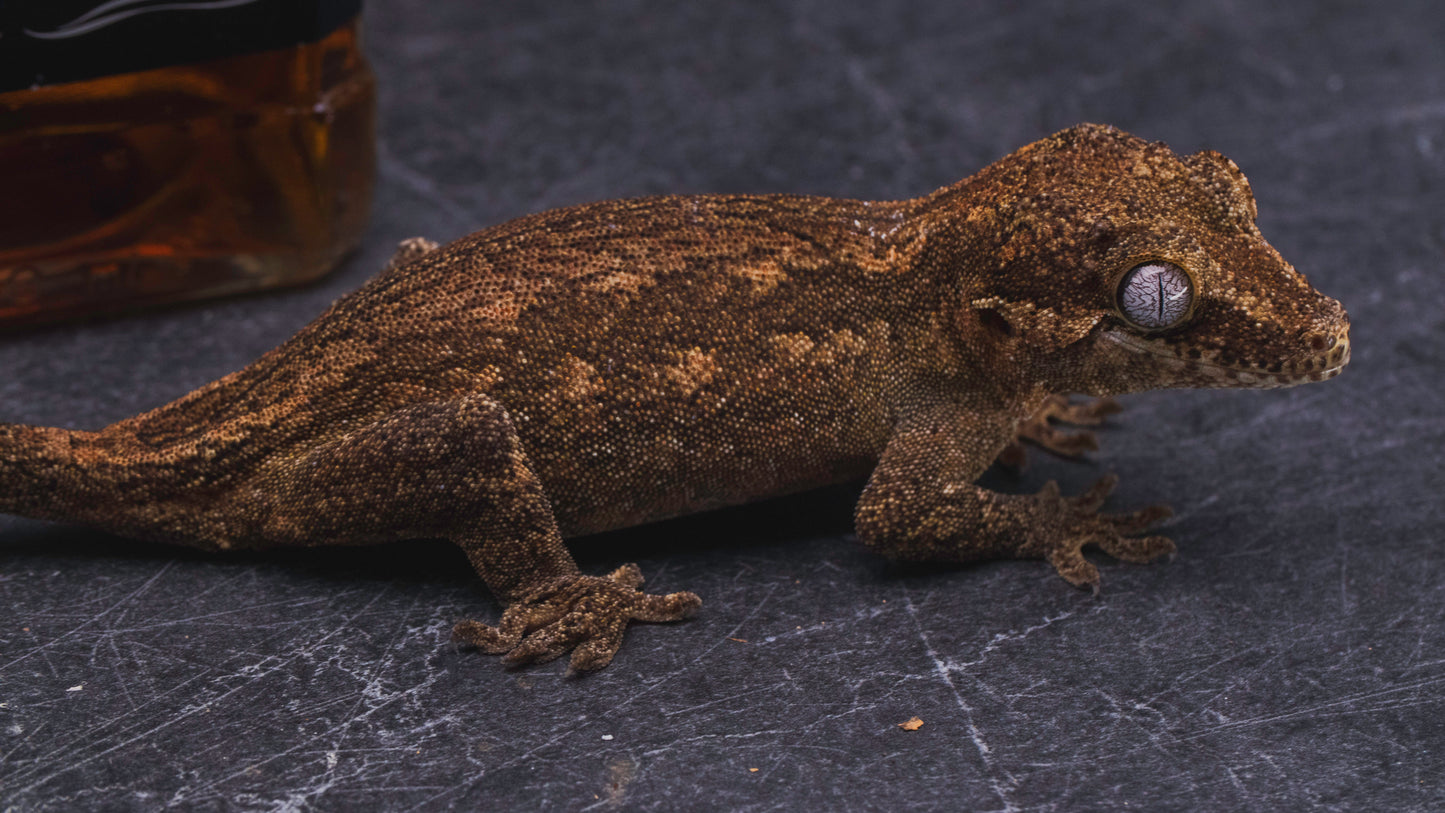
{"points": [[613, 364]]}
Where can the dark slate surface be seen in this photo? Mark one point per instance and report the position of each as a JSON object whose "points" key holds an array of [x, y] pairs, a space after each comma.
{"points": [[1293, 655]]}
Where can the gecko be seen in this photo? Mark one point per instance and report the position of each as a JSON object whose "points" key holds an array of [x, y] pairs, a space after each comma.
{"points": [[606, 365]]}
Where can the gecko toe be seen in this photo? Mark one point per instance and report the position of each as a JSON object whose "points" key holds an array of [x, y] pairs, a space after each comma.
{"points": [[1139, 521], [1088, 413], [1138, 549], [629, 575], [671, 607], [490, 640], [539, 647], [1070, 563], [1069, 444], [596, 653], [1089, 501]]}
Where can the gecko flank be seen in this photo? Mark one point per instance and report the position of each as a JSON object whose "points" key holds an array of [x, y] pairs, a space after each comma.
{"points": [[607, 365]]}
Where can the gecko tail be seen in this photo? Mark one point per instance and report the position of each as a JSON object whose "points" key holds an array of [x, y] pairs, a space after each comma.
{"points": [[41, 473]]}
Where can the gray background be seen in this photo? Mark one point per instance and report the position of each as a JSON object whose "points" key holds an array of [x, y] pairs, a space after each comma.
{"points": [[1293, 654]]}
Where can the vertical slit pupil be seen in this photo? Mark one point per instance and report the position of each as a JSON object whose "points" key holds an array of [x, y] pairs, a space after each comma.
{"points": [[1159, 281]]}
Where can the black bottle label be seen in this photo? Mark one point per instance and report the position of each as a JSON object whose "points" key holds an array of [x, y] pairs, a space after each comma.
{"points": [[43, 42]]}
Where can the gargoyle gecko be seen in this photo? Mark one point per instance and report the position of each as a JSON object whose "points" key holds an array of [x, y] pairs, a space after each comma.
{"points": [[601, 366]]}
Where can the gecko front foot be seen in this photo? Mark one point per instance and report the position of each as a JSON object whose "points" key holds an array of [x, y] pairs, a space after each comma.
{"points": [[1079, 523], [584, 614], [1038, 429]]}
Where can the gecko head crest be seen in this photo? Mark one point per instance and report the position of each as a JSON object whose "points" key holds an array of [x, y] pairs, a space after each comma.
{"points": [[1137, 269]]}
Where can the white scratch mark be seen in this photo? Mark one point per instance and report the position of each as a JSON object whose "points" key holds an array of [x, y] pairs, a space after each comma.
{"points": [[94, 618], [979, 743], [277, 664]]}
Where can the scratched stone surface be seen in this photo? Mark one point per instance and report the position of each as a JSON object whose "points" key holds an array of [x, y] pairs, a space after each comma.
{"points": [[1293, 654]]}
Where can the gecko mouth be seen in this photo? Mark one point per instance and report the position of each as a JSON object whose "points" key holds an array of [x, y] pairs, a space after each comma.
{"points": [[1209, 371]]}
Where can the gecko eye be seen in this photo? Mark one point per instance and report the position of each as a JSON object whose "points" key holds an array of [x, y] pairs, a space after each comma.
{"points": [[1155, 295]]}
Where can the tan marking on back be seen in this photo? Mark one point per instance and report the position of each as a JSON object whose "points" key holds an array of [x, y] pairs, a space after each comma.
{"points": [[695, 371], [579, 380], [765, 275]]}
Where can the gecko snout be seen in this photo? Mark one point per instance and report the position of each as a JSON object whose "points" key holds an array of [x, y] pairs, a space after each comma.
{"points": [[1328, 340]]}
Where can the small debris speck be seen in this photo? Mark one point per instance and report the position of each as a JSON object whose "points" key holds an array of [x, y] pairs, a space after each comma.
{"points": [[607, 738], [912, 725], [76, 687]]}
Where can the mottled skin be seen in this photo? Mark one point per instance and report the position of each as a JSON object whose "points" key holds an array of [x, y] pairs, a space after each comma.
{"points": [[613, 364]]}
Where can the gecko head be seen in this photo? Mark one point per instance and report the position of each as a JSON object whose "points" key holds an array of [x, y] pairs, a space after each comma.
{"points": [[1132, 268]]}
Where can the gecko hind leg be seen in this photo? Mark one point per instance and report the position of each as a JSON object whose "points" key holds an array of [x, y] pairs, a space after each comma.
{"points": [[456, 469], [1038, 429]]}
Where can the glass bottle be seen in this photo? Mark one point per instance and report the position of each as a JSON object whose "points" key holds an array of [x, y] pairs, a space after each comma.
{"points": [[176, 181]]}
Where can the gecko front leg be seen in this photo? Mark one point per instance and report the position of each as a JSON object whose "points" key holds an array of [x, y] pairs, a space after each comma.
{"points": [[921, 503]]}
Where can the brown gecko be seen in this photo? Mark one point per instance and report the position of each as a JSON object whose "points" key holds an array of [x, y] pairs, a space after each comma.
{"points": [[606, 365]]}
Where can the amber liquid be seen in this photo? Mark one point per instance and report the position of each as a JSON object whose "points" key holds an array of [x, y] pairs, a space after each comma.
{"points": [[192, 181]]}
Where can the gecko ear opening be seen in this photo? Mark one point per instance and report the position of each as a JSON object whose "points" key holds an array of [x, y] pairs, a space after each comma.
{"points": [[1043, 328], [994, 321]]}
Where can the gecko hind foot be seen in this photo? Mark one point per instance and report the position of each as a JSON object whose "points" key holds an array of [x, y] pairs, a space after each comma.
{"points": [[1038, 429], [585, 614], [1115, 534]]}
